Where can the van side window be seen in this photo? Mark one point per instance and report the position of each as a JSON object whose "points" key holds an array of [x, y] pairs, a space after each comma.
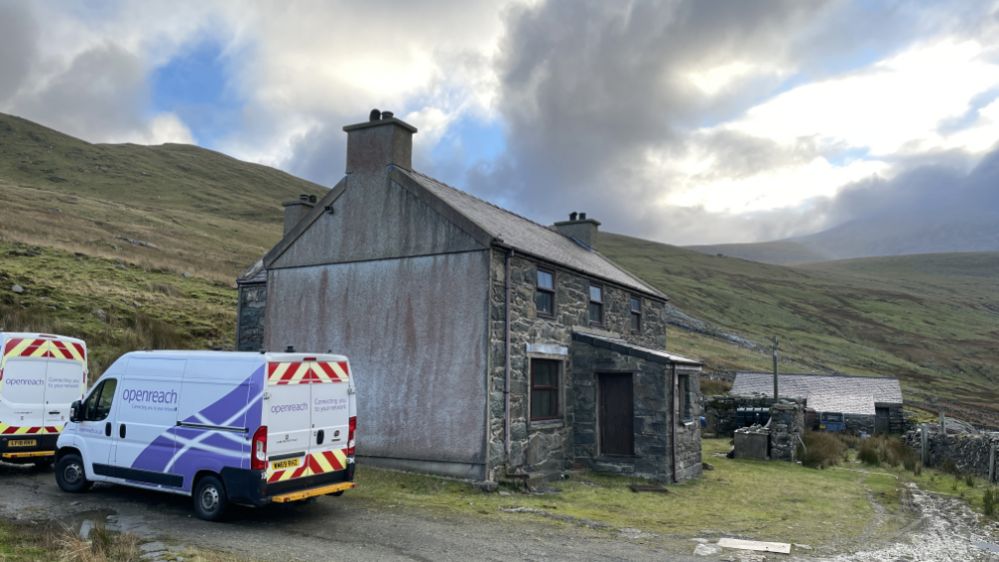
{"points": [[98, 404]]}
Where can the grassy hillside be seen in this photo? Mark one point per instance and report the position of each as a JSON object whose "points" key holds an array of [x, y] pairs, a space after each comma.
{"points": [[114, 306], [171, 206], [776, 252], [932, 321]]}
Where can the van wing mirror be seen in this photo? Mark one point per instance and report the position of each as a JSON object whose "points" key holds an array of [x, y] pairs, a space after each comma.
{"points": [[74, 411]]}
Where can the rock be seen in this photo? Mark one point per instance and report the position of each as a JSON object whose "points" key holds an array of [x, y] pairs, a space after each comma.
{"points": [[707, 466], [152, 548], [802, 546], [185, 275], [701, 541], [99, 313], [17, 288], [707, 550]]}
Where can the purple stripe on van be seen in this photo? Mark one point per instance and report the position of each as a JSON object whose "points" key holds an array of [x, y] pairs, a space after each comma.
{"points": [[185, 451]]}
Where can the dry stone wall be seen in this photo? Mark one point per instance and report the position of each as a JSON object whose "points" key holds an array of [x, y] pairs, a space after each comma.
{"points": [[968, 453]]}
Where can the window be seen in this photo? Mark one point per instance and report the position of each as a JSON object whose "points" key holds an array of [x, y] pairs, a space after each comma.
{"points": [[544, 296], [635, 305], [544, 389], [596, 304], [98, 404], [683, 389]]}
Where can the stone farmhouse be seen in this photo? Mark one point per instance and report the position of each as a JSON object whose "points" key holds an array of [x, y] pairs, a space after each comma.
{"points": [[869, 404], [485, 346]]}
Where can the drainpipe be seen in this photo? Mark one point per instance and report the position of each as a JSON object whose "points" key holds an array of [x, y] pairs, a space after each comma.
{"points": [[673, 419], [506, 355]]}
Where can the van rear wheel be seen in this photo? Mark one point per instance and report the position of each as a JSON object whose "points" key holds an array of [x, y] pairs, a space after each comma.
{"points": [[210, 499], [70, 475]]}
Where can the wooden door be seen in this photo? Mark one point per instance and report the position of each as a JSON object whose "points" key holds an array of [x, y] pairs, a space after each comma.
{"points": [[881, 424], [617, 420]]}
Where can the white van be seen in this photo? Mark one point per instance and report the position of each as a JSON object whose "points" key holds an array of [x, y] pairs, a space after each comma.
{"points": [[247, 428], [40, 377]]}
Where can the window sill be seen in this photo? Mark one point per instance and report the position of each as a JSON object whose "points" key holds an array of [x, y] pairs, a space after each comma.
{"points": [[555, 423]]}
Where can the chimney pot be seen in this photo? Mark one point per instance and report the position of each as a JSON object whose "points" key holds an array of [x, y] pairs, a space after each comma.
{"points": [[296, 209], [380, 142], [581, 229]]}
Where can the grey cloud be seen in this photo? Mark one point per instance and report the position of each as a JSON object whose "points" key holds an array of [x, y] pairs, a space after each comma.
{"points": [[18, 45], [588, 89], [99, 96]]}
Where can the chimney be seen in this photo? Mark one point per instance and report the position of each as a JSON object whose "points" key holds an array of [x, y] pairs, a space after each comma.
{"points": [[296, 209], [580, 229], [381, 141]]}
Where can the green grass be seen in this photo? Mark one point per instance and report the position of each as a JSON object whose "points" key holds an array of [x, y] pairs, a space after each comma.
{"points": [[175, 206], [930, 320], [113, 305], [24, 543], [753, 499]]}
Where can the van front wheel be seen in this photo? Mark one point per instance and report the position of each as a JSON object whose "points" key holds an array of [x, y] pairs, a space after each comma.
{"points": [[70, 475], [210, 499]]}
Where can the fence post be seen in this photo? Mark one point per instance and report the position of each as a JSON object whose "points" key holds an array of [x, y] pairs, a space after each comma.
{"points": [[992, 463], [924, 449]]}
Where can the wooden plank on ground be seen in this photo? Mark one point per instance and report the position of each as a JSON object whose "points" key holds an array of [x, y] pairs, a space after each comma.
{"points": [[777, 547]]}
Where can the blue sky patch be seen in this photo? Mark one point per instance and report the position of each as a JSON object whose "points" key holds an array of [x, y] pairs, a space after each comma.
{"points": [[193, 85]]}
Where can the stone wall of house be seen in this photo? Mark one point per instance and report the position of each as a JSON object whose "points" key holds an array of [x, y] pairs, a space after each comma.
{"points": [[547, 446], [968, 453], [787, 426], [250, 323], [719, 411], [859, 423]]}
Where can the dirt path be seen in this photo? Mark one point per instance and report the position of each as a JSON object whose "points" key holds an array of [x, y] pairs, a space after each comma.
{"points": [[946, 529], [342, 528]]}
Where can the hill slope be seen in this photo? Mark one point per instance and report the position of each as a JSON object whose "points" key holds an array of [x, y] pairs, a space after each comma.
{"points": [[932, 321], [176, 206]]}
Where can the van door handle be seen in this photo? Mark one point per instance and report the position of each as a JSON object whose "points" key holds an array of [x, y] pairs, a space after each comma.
{"points": [[55, 413], [121, 431], [320, 436], [107, 429]]}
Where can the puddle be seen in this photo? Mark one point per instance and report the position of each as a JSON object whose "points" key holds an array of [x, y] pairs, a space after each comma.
{"points": [[84, 522], [987, 546]]}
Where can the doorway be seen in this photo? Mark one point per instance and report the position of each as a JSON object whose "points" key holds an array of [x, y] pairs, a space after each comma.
{"points": [[616, 411], [881, 419]]}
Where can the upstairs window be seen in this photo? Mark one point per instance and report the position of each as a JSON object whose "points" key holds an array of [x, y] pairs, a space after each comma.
{"points": [[596, 304], [635, 307], [544, 296], [544, 389]]}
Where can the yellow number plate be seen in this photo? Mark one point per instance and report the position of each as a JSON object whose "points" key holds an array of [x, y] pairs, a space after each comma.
{"points": [[288, 463], [22, 443]]}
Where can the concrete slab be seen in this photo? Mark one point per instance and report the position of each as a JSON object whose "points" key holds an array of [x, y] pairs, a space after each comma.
{"points": [[777, 547]]}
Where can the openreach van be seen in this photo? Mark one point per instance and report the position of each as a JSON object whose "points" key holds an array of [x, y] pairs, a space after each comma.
{"points": [[247, 428], [40, 377]]}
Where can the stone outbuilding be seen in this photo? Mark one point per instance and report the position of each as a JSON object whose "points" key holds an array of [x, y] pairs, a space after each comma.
{"points": [[868, 404], [485, 346]]}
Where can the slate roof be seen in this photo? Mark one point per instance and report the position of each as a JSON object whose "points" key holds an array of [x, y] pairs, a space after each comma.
{"points": [[626, 348], [525, 235], [882, 390], [857, 405]]}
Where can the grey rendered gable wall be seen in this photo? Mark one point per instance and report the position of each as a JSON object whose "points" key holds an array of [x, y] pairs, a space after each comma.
{"points": [[375, 218]]}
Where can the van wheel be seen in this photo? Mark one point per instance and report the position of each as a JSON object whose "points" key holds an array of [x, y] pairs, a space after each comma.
{"points": [[210, 499], [70, 475]]}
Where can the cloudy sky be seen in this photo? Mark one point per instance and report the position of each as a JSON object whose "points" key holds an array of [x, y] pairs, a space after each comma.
{"points": [[693, 121]]}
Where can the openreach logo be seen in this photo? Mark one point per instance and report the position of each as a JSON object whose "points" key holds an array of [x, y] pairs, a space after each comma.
{"points": [[25, 382], [282, 408], [149, 396]]}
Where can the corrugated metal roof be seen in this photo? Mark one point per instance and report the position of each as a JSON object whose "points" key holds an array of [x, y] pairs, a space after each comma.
{"points": [[886, 390], [530, 237], [861, 405]]}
